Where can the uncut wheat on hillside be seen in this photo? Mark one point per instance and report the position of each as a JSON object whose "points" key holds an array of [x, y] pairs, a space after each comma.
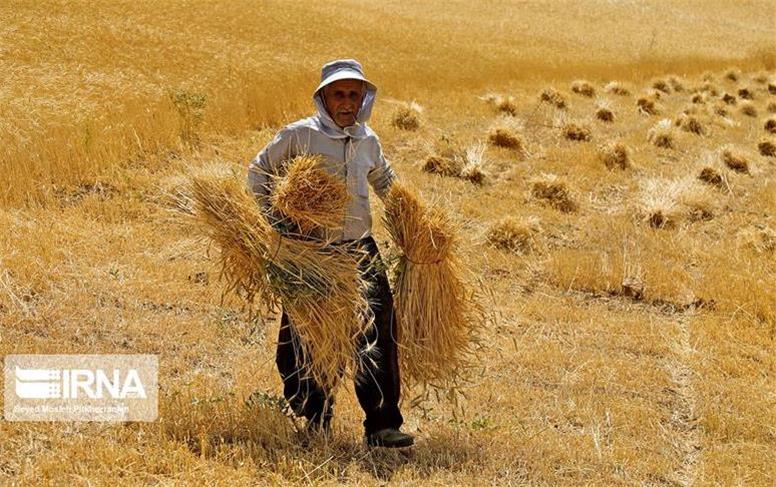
{"points": [[608, 170]]}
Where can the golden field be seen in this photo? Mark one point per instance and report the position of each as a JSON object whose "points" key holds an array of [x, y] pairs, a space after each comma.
{"points": [[633, 303]]}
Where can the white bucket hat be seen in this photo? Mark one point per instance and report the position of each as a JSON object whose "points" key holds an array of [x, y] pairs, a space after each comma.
{"points": [[343, 69]]}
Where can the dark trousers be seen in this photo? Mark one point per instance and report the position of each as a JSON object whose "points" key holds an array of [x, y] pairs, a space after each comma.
{"points": [[377, 384]]}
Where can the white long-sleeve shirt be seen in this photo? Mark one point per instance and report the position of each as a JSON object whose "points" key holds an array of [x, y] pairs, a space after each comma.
{"points": [[353, 154]]}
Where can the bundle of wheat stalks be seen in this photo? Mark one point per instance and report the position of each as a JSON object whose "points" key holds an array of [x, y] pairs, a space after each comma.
{"points": [[318, 285], [437, 313], [309, 197]]}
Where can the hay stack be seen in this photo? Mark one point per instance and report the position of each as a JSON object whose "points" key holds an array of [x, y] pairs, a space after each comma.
{"points": [[735, 160], [503, 104], [310, 198], [721, 110], [584, 88], [505, 137], [616, 88], [515, 235], [553, 191], [661, 85], [745, 94], [710, 175], [604, 111], [770, 125], [647, 106], [614, 155], [407, 116], [691, 124], [554, 98], [473, 169], [732, 74], [767, 148], [319, 287], [438, 319], [748, 109], [676, 84], [662, 134], [507, 132], [443, 166], [576, 131], [709, 89], [506, 104], [666, 203]]}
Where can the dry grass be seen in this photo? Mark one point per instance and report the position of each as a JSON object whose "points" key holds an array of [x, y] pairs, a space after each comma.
{"points": [[619, 354], [626, 260], [760, 238], [205, 419], [615, 155], [771, 107]]}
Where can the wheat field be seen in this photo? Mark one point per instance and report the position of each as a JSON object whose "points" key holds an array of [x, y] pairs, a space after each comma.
{"points": [[611, 163]]}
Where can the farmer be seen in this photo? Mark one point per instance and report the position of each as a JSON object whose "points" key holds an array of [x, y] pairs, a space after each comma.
{"points": [[350, 150]]}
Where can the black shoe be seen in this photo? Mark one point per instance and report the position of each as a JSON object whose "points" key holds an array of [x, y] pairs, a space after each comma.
{"points": [[390, 438]]}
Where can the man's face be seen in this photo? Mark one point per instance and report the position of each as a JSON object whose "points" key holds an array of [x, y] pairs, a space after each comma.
{"points": [[343, 100]]}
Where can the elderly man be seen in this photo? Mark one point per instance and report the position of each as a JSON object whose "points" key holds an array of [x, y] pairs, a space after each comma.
{"points": [[351, 151]]}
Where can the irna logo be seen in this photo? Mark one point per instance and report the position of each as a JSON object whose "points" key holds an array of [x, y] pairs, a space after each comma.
{"points": [[78, 383], [88, 387]]}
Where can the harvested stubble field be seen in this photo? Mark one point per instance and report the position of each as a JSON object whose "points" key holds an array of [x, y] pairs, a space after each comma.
{"points": [[632, 290]]}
